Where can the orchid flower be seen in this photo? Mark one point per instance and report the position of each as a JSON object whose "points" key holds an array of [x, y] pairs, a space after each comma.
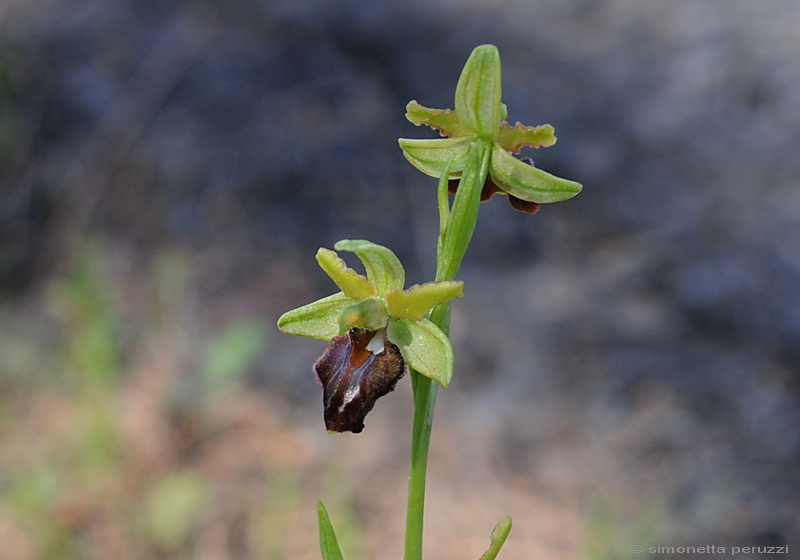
{"points": [[375, 330], [480, 114]]}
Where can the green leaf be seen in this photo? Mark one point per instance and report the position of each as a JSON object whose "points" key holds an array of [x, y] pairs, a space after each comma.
{"points": [[327, 536], [319, 319], [432, 156], [499, 536], [384, 269], [416, 301], [464, 213], [424, 347], [479, 92], [515, 138], [353, 284], [367, 314], [444, 120], [527, 182]]}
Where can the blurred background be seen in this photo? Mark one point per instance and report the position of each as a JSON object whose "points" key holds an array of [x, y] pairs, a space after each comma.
{"points": [[627, 362]]}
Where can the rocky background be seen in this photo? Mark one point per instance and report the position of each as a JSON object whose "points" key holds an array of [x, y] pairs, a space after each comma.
{"points": [[628, 363]]}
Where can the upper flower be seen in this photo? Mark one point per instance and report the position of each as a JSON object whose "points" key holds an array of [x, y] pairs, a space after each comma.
{"points": [[480, 114]]}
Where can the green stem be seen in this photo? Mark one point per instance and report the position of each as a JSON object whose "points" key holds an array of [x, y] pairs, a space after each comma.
{"points": [[456, 233], [425, 392]]}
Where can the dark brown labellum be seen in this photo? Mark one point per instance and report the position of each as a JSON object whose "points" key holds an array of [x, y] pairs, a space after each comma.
{"points": [[490, 189], [523, 205], [355, 370]]}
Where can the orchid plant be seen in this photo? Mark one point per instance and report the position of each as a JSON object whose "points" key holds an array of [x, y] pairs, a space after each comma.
{"points": [[377, 330]]}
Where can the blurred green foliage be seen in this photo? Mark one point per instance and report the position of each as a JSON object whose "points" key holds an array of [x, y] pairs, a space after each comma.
{"points": [[172, 505], [101, 455], [229, 356], [613, 535], [83, 303]]}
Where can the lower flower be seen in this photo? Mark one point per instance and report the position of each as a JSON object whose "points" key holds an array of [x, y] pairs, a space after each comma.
{"points": [[355, 370]]}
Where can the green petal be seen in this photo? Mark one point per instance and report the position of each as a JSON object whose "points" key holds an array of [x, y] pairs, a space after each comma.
{"points": [[319, 319], [353, 284], [444, 120], [384, 269], [416, 301], [367, 314], [432, 156], [524, 181], [519, 136], [424, 347], [479, 92]]}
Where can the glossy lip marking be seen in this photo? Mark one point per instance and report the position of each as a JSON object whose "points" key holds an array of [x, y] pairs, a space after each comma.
{"points": [[355, 370]]}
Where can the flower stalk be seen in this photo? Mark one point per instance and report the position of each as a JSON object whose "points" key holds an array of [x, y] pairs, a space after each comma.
{"points": [[456, 228], [376, 329]]}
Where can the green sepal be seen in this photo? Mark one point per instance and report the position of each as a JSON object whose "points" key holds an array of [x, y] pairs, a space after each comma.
{"points": [[529, 183], [328, 544], [319, 319], [424, 347], [479, 92], [416, 301], [432, 156], [367, 314], [444, 120], [499, 536], [383, 267], [514, 138], [353, 284]]}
